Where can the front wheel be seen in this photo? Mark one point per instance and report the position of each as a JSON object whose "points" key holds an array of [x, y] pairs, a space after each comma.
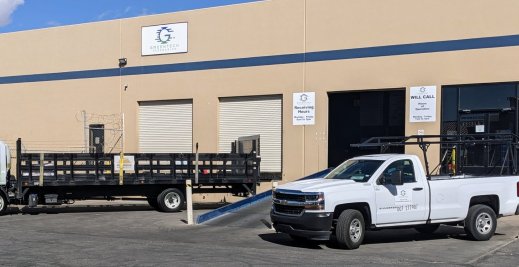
{"points": [[350, 229], [481, 222], [170, 200]]}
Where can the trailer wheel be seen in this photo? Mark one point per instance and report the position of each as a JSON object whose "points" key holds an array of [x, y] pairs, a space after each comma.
{"points": [[3, 204], [170, 200], [427, 229], [480, 223], [350, 229]]}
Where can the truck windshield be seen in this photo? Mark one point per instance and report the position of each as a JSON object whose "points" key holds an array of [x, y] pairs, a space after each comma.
{"points": [[356, 170]]}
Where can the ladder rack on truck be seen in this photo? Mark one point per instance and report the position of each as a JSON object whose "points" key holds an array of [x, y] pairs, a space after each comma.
{"points": [[55, 178], [507, 144]]}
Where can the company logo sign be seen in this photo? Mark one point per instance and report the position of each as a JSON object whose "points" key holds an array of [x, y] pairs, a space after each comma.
{"points": [[164, 39], [164, 35]]}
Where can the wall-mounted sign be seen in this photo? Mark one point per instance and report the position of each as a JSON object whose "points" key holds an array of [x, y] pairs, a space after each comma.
{"points": [[128, 164], [164, 39], [303, 108], [422, 104]]}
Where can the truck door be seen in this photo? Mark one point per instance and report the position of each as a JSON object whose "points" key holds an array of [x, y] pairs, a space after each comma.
{"points": [[400, 203]]}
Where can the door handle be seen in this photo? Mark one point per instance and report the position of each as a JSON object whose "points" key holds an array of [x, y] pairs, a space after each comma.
{"points": [[418, 189]]}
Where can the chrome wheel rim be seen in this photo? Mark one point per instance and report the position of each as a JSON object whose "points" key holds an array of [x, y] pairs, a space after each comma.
{"points": [[484, 223], [355, 230], [172, 200], [2, 203]]}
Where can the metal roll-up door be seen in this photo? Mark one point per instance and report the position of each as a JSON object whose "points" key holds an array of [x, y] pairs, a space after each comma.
{"points": [[166, 126], [247, 116]]}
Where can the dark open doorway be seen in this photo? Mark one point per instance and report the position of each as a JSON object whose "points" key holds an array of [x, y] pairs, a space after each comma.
{"points": [[479, 109], [356, 116]]}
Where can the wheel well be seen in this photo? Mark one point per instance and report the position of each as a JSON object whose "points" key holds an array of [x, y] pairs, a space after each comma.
{"points": [[363, 207], [490, 200]]}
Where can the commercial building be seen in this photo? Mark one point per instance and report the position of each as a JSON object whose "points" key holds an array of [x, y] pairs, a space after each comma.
{"points": [[309, 77]]}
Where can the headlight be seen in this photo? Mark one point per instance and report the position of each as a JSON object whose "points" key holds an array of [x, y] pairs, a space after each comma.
{"points": [[315, 202]]}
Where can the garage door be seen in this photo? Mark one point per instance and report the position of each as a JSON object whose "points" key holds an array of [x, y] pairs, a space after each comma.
{"points": [[246, 116], [166, 126]]}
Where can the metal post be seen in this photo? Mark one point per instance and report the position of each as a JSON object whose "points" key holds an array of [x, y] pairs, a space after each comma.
{"points": [[196, 163], [121, 159], [86, 130], [42, 168], [189, 199], [19, 168]]}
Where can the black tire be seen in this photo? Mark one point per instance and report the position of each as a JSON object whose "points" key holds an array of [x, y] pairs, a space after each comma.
{"points": [[350, 229], [427, 229], [153, 202], [170, 200], [3, 204], [481, 222]]}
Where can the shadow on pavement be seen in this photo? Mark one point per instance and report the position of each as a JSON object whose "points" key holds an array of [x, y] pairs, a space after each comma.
{"points": [[374, 237], [109, 207], [285, 240]]}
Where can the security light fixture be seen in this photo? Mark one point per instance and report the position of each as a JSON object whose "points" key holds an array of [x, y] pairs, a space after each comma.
{"points": [[122, 62]]}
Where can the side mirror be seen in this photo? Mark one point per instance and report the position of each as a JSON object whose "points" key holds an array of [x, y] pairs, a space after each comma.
{"points": [[396, 178]]}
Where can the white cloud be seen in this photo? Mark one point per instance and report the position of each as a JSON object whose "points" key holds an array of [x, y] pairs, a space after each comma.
{"points": [[7, 8]]}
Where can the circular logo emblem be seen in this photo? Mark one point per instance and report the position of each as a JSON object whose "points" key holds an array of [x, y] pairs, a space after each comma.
{"points": [[164, 35], [422, 89], [303, 97], [403, 193]]}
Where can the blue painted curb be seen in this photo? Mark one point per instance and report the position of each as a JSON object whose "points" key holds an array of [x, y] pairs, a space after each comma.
{"points": [[248, 201]]}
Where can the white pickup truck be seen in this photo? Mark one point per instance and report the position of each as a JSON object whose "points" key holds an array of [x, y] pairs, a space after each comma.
{"points": [[390, 190]]}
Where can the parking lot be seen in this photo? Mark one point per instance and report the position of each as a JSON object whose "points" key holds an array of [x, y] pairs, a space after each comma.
{"points": [[132, 234]]}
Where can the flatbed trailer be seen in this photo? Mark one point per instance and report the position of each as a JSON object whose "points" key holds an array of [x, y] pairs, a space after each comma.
{"points": [[57, 178]]}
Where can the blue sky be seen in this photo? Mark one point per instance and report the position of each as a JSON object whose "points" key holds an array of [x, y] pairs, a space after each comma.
{"points": [[19, 15]]}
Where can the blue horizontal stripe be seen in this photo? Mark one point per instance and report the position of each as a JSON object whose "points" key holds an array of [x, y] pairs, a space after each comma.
{"points": [[343, 54]]}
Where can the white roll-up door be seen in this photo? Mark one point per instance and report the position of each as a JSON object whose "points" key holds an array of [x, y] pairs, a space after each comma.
{"points": [[247, 116], [166, 126]]}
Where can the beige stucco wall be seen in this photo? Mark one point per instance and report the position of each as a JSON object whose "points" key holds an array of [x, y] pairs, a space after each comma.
{"points": [[47, 111]]}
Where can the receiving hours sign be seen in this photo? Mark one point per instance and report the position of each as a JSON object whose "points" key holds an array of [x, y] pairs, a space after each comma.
{"points": [[303, 112], [422, 104]]}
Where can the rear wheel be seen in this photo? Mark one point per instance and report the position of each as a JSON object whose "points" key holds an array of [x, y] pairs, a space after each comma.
{"points": [[481, 222], [427, 229], [350, 229], [3, 204], [170, 200]]}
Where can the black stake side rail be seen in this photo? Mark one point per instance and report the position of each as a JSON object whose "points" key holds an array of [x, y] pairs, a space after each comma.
{"points": [[465, 140], [69, 169]]}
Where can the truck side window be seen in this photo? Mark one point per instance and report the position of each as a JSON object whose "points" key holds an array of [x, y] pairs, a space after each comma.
{"points": [[407, 168]]}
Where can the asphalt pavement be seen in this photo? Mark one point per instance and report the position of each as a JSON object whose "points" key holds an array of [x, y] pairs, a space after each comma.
{"points": [[132, 234]]}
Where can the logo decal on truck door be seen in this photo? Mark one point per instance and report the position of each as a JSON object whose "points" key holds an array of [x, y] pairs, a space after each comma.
{"points": [[403, 196]]}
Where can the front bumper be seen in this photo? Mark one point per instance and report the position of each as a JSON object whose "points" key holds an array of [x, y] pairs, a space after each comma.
{"points": [[315, 226]]}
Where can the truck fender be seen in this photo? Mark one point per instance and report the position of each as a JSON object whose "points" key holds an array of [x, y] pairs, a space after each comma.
{"points": [[363, 207], [489, 200]]}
